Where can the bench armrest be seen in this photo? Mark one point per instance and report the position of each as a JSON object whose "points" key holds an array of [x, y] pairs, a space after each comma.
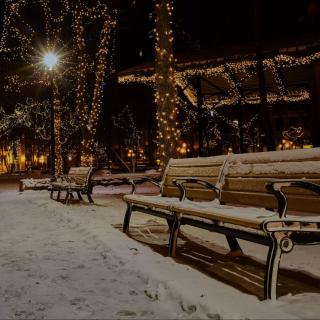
{"points": [[180, 184], [133, 182], [62, 178], [275, 187]]}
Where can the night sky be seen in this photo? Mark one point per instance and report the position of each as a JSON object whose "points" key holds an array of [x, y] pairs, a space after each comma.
{"points": [[207, 24]]}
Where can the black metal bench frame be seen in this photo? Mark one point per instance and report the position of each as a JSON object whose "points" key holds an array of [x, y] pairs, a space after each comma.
{"points": [[68, 184], [279, 240]]}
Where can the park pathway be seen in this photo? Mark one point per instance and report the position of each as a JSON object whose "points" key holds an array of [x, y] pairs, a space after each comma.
{"points": [[54, 268]]}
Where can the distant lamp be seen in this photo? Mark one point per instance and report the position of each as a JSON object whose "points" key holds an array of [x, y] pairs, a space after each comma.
{"points": [[50, 59], [183, 149]]}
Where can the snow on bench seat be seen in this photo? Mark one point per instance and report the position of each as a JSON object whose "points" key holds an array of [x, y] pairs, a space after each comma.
{"points": [[249, 205], [147, 201], [243, 216], [34, 184]]}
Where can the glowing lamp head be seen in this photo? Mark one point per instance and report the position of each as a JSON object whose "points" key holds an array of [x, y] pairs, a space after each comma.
{"points": [[50, 59]]}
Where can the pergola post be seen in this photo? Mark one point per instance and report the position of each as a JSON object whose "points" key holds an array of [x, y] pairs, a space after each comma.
{"points": [[198, 88], [240, 126]]}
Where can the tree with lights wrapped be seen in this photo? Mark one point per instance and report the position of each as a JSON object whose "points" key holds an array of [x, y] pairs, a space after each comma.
{"points": [[165, 95], [69, 27], [89, 105]]}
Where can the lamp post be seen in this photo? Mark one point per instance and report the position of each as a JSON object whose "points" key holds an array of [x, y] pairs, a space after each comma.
{"points": [[50, 60]]}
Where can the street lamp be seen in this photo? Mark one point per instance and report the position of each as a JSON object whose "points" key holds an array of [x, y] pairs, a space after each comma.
{"points": [[50, 60]]}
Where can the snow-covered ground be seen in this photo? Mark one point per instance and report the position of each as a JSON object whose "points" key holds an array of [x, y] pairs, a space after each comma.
{"points": [[71, 262]]}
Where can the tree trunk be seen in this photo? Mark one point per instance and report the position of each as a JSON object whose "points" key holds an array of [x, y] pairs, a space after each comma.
{"points": [[58, 168], [165, 84], [90, 116]]}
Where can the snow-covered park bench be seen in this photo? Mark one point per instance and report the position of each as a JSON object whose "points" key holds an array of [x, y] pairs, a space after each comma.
{"points": [[118, 179], [270, 198], [78, 181], [34, 184]]}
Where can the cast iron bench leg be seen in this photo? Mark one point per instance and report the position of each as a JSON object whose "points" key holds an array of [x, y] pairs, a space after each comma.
{"points": [[272, 268], [174, 235], [66, 200], [126, 221], [169, 223], [235, 249], [89, 197], [79, 196], [59, 193]]}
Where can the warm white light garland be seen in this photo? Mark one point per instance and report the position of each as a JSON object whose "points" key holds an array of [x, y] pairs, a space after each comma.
{"points": [[18, 40], [247, 69]]}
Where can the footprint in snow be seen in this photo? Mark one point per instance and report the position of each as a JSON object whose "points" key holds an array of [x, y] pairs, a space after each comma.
{"points": [[151, 296], [189, 309], [77, 301], [133, 293], [126, 313], [215, 316], [147, 314], [104, 255], [64, 277], [41, 308], [24, 314]]}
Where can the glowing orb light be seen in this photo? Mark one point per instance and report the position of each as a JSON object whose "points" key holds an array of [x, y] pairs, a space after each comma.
{"points": [[50, 59]]}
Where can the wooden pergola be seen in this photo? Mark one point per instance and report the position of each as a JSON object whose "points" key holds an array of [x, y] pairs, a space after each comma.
{"points": [[206, 80]]}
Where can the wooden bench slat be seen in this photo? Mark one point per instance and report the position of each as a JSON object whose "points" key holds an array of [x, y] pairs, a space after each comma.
{"points": [[194, 172], [195, 162], [258, 185], [245, 202], [265, 200], [196, 193], [305, 168], [276, 156]]}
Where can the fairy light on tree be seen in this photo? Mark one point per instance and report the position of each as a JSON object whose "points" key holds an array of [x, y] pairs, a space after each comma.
{"points": [[85, 68], [165, 93], [89, 115], [36, 117]]}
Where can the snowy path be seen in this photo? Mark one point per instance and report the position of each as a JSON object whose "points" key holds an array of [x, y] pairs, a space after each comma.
{"points": [[68, 262], [52, 268]]}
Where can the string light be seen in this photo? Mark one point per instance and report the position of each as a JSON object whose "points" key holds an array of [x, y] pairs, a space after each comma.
{"points": [[246, 69], [89, 116], [36, 116], [165, 91], [18, 41]]}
